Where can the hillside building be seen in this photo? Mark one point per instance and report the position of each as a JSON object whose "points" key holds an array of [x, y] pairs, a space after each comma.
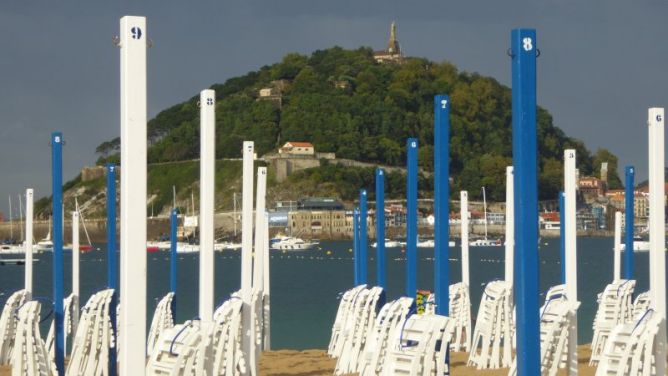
{"points": [[392, 54], [297, 148]]}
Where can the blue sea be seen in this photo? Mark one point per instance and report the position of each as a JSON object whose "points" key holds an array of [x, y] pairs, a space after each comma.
{"points": [[305, 286]]}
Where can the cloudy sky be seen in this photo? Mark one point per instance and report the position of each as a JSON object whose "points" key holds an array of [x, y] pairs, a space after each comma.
{"points": [[603, 62]]}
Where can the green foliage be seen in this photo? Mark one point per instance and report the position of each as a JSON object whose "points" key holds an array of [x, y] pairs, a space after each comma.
{"points": [[368, 119], [333, 180]]}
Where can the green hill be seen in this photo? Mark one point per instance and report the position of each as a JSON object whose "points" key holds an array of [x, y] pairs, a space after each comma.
{"points": [[344, 102]]}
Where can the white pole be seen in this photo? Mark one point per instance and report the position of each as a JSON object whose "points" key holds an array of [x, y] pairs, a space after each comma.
{"points": [[21, 217], [28, 243], [75, 270], [464, 213], [510, 226], [132, 328], [657, 235], [207, 185], [618, 247], [258, 259], [265, 288], [571, 255], [247, 247], [484, 206]]}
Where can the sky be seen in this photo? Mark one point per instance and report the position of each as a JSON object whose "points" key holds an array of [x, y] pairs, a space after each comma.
{"points": [[602, 63]]}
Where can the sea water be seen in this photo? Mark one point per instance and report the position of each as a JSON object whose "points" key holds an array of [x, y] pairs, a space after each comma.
{"points": [[306, 285]]}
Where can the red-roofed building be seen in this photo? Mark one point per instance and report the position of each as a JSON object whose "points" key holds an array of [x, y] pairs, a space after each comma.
{"points": [[297, 148]]}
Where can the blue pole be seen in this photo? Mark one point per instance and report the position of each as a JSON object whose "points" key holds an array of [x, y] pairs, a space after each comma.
{"points": [[525, 155], [57, 210], [356, 255], [112, 267], [629, 218], [411, 218], [364, 242], [380, 229], [442, 203], [172, 260], [562, 236]]}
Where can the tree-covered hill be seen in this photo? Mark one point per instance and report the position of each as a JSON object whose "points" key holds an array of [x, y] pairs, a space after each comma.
{"points": [[344, 102]]}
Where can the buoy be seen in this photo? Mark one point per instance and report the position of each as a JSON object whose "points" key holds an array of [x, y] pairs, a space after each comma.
{"points": [[350, 250], [329, 252]]}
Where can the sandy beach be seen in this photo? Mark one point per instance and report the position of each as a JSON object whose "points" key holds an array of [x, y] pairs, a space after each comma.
{"points": [[317, 363]]}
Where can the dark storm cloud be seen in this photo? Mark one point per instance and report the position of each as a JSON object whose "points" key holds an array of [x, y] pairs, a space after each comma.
{"points": [[602, 63]]}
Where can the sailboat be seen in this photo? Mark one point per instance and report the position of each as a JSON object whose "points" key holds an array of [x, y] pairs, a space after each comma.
{"points": [[45, 244], [485, 242]]}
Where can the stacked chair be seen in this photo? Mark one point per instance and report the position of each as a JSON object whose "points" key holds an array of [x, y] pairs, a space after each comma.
{"points": [[190, 349], [460, 313], [94, 337], [628, 350], [30, 356], [494, 328], [615, 306], [420, 347], [555, 318], [358, 327], [390, 319], [163, 319], [8, 324]]}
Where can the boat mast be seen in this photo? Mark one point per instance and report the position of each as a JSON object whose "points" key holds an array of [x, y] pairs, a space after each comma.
{"points": [[484, 206], [83, 221], [11, 223]]}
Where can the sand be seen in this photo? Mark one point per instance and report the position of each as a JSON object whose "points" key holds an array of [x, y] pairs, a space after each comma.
{"points": [[317, 363]]}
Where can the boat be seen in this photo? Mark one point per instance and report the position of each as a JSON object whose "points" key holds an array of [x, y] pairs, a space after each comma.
{"points": [[45, 244], [484, 242], [11, 249], [388, 244], [226, 246], [293, 244], [428, 243], [639, 245]]}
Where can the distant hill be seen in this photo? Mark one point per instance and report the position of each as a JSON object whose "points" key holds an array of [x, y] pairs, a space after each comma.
{"points": [[343, 101]]}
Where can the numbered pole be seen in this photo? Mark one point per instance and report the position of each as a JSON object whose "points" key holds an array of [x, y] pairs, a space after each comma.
{"points": [[207, 185], [411, 218], [363, 240], [381, 279], [525, 155], [57, 210], [247, 246], [112, 267], [442, 203], [562, 237], [571, 254], [629, 217], [172, 259], [132, 341], [657, 233]]}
